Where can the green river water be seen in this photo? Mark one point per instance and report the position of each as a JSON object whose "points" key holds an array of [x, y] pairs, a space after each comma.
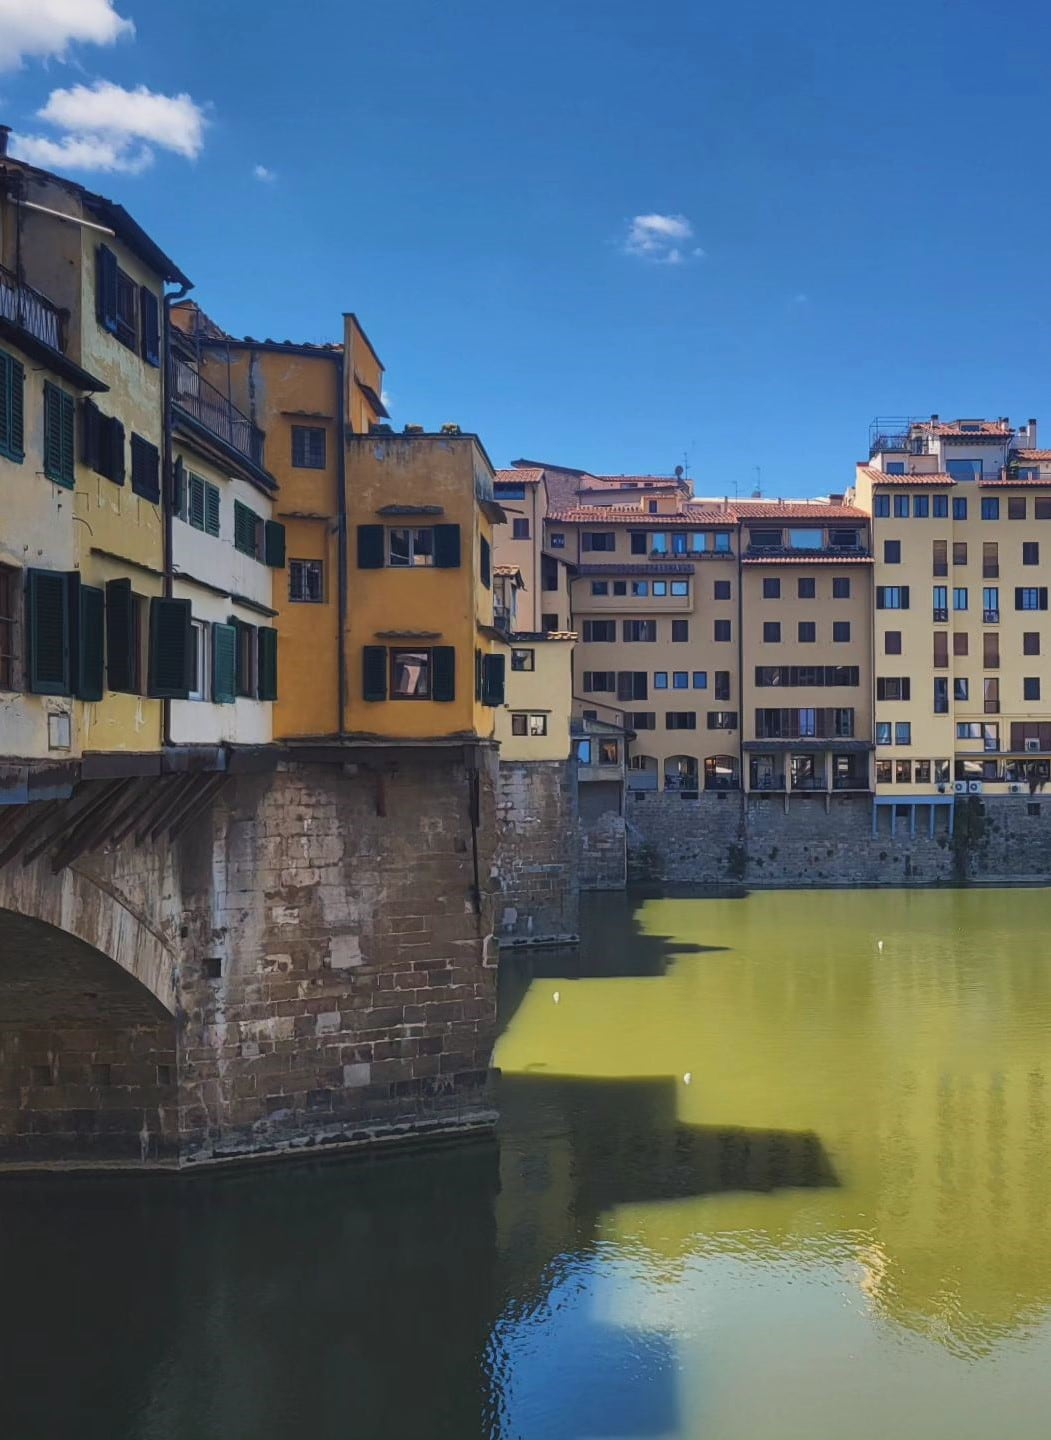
{"points": [[758, 1177]]}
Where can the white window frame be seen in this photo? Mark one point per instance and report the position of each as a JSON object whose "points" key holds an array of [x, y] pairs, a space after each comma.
{"points": [[200, 689]]}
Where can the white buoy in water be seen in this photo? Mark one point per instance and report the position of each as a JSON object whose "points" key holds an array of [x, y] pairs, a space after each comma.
{"points": [[879, 944], [687, 1077], [557, 996]]}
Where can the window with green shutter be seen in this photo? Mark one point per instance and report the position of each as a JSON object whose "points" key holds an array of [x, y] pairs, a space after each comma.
{"points": [[274, 544], [12, 408], [90, 643], [151, 326], [211, 509], [246, 659], [267, 639], [101, 442], [371, 543], [145, 469], [122, 637], [47, 632], [177, 489], [224, 664], [195, 501], [374, 671], [443, 662], [447, 546], [171, 649], [486, 563], [59, 426], [246, 530], [106, 288], [493, 679]]}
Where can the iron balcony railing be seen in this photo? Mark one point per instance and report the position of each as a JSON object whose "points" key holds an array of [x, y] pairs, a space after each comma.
{"points": [[850, 782], [33, 312], [766, 782], [210, 408]]}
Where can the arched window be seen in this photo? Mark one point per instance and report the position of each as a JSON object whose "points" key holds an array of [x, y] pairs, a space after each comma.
{"points": [[643, 773], [680, 775], [721, 773]]}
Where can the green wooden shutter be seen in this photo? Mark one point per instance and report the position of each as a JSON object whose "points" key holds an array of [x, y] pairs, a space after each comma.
{"points": [[267, 639], [224, 664], [486, 564], [106, 288], [443, 678], [211, 509], [59, 424], [371, 545], [177, 489], [151, 330], [171, 649], [145, 469], [493, 679], [47, 632], [91, 436], [274, 544], [246, 530], [447, 546], [12, 403], [121, 638], [114, 450], [90, 647], [374, 678], [477, 674], [195, 502]]}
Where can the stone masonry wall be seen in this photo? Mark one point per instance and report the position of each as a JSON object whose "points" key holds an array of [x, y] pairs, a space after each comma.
{"points": [[536, 852], [603, 852]]}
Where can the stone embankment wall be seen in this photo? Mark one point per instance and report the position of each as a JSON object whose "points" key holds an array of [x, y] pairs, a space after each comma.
{"points": [[603, 851], [756, 840], [536, 864]]}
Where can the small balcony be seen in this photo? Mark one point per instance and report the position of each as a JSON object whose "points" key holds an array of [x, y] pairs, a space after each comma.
{"points": [[30, 311], [192, 393]]}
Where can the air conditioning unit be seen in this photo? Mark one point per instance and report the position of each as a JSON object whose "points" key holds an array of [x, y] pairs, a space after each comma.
{"points": [[1017, 789], [942, 787], [960, 786], [1032, 745], [974, 787]]}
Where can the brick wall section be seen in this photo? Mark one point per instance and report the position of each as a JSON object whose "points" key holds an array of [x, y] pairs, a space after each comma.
{"points": [[603, 852], [536, 851]]}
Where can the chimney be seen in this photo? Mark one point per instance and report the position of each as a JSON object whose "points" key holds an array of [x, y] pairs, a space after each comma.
{"points": [[934, 419], [5, 131], [1031, 434], [835, 499]]}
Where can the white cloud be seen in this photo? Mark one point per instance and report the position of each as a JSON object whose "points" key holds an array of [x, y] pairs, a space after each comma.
{"points": [[262, 173], [40, 28], [387, 399], [110, 128], [81, 152], [661, 239]]}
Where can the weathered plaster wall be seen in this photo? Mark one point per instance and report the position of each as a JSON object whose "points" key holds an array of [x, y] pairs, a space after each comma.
{"points": [[536, 851]]}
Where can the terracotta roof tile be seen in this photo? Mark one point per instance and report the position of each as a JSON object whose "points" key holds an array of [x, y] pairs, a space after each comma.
{"points": [[627, 482], [880, 477], [805, 558], [1017, 482], [957, 427], [1032, 454], [652, 567], [787, 510], [518, 477], [632, 515]]}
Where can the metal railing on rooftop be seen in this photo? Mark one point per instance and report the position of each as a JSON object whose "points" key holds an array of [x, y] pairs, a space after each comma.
{"points": [[210, 408], [33, 312]]}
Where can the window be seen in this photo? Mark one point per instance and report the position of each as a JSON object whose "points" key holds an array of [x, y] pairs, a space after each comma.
{"points": [[977, 730], [940, 506], [12, 408], [807, 632], [600, 587], [990, 507], [893, 687], [1031, 642], [124, 629], [959, 597], [960, 688], [308, 447], [700, 679], [523, 660], [881, 506], [620, 587], [199, 660], [658, 587], [528, 724], [939, 557], [59, 426], [1031, 687], [921, 507], [1016, 507], [659, 544], [941, 770], [600, 632], [608, 752], [892, 597], [941, 695], [10, 606], [1030, 552], [680, 720], [883, 732], [771, 631], [991, 694], [892, 552], [806, 588], [959, 507], [722, 542], [884, 772], [599, 681], [548, 622], [964, 471], [923, 772], [640, 588], [639, 544], [583, 751], [940, 602], [901, 507], [632, 685], [771, 589], [959, 642], [410, 674], [660, 679], [200, 504], [941, 649], [410, 547], [1030, 598], [146, 469], [991, 604], [892, 642], [990, 560], [509, 492], [764, 539], [680, 587], [642, 720], [598, 540], [306, 581], [841, 587], [680, 680], [902, 773], [991, 650], [894, 467], [558, 540], [840, 631], [247, 530], [680, 631], [520, 529], [721, 630], [1041, 508], [721, 590], [806, 675], [959, 552], [722, 684], [722, 719], [640, 630], [903, 733], [102, 445]]}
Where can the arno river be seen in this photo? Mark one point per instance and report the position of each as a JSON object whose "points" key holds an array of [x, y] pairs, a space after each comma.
{"points": [[759, 1177]]}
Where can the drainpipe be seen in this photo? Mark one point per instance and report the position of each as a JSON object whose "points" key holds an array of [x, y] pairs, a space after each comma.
{"points": [[341, 542], [166, 469]]}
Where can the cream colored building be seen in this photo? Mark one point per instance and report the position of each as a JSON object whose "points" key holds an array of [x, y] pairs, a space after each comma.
{"points": [[534, 722]]}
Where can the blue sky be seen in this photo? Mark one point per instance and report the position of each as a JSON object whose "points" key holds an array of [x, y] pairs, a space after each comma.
{"points": [[867, 186]]}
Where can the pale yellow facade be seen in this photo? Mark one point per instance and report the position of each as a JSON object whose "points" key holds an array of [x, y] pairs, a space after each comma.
{"points": [[534, 721]]}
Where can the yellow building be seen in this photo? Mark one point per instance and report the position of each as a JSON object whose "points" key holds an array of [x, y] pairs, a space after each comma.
{"points": [[534, 721]]}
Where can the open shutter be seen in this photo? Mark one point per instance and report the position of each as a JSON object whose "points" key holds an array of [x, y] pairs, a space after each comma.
{"points": [[90, 646], [106, 288], [370, 547], [444, 667], [374, 666], [171, 649], [113, 440], [12, 408], [904, 597], [224, 664], [195, 502], [274, 544], [120, 636], [151, 330], [91, 436], [477, 674], [486, 564], [47, 632], [211, 509], [267, 663], [447, 546], [243, 657], [145, 469], [493, 679], [1042, 597], [177, 496]]}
